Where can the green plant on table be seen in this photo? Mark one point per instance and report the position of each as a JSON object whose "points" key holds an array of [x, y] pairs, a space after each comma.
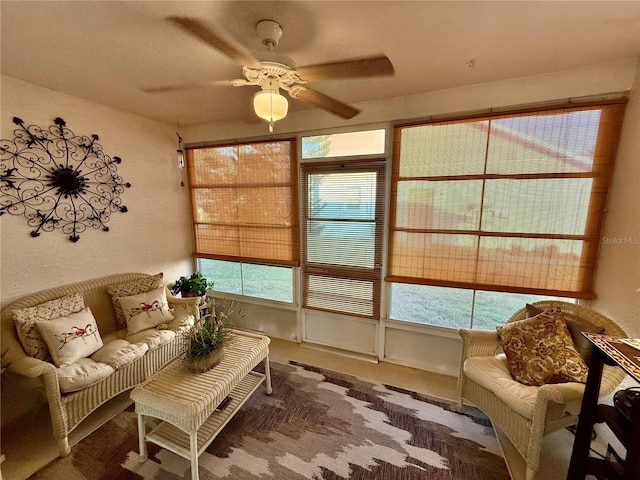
{"points": [[196, 284]]}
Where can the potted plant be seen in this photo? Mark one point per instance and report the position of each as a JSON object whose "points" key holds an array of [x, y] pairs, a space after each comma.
{"points": [[207, 338], [194, 286]]}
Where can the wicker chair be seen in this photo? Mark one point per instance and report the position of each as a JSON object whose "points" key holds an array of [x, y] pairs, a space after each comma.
{"points": [[525, 413]]}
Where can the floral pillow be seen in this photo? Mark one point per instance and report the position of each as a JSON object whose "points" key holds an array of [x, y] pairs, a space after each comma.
{"points": [[540, 350], [146, 310], [25, 320], [71, 337], [576, 326], [131, 288]]}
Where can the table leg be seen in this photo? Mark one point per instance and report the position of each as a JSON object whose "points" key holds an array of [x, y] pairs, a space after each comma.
{"points": [[193, 441], [587, 417], [142, 438], [267, 374]]}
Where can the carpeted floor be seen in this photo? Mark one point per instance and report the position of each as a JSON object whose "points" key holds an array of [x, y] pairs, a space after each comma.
{"points": [[317, 424]]}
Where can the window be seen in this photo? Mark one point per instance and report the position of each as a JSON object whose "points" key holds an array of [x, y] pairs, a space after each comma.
{"points": [[456, 307], [364, 142], [244, 200], [249, 279], [342, 236], [505, 203]]}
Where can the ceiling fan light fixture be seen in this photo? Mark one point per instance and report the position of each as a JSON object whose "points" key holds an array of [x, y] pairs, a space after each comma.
{"points": [[270, 105]]}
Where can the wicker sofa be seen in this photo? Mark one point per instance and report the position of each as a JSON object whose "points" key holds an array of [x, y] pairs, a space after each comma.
{"points": [[149, 351]]}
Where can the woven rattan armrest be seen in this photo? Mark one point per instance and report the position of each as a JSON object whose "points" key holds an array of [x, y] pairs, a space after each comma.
{"points": [[478, 343]]}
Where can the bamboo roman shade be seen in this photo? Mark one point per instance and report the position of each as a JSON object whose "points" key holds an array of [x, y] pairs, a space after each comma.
{"points": [[504, 202], [342, 225], [244, 202]]}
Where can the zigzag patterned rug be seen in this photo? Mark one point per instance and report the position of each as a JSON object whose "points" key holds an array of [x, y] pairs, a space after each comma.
{"points": [[317, 424]]}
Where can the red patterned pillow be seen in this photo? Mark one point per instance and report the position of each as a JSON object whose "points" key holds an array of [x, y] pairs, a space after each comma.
{"points": [[540, 350]]}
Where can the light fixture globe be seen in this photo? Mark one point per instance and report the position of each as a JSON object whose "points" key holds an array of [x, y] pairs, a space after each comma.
{"points": [[270, 105]]}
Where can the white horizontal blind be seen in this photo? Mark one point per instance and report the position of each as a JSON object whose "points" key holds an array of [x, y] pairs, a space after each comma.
{"points": [[342, 228]]}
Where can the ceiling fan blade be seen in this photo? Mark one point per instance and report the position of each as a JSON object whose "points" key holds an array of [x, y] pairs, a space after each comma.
{"points": [[360, 67], [325, 102], [216, 39], [185, 86]]}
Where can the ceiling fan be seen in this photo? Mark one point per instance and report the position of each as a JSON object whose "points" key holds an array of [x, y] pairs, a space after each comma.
{"points": [[276, 72]]}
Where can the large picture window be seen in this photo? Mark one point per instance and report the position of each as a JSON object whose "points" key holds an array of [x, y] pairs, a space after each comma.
{"points": [[506, 203]]}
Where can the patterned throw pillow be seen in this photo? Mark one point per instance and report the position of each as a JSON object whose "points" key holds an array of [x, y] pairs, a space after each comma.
{"points": [[131, 288], [71, 337], [25, 320], [146, 310], [576, 326], [540, 350]]}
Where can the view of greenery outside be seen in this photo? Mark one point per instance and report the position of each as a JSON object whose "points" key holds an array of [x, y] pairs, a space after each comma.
{"points": [[451, 307], [261, 281]]}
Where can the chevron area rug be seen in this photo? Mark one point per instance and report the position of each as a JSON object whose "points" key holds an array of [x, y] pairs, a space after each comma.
{"points": [[317, 424]]}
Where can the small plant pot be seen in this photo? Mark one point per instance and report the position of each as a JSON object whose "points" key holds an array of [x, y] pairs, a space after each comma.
{"points": [[206, 363], [189, 294]]}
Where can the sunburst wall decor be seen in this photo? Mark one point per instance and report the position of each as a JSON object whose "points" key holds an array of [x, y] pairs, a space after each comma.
{"points": [[58, 179]]}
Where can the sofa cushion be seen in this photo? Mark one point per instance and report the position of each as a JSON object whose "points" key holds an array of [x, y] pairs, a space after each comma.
{"points": [[81, 374], [492, 373], [180, 324], [71, 337], [119, 353], [576, 326], [25, 320], [152, 337], [146, 310], [540, 350], [131, 288]]}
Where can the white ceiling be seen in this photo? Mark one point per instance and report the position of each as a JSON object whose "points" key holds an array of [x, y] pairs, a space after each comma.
{"points": [[106, 51]]}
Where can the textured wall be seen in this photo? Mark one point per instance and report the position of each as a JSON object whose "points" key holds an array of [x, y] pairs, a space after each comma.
{"points": [[618, 274], [155, 235]]}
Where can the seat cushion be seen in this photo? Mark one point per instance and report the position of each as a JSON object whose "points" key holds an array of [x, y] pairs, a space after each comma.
{"points": [[119, 353], [492, 373], [81, 374], [152, 337]]}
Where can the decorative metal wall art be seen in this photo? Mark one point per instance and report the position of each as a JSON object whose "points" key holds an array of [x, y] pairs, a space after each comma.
{"points": [[57, 179]]}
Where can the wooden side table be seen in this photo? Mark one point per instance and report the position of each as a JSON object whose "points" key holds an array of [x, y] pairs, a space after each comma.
{"points": [[612, 351]]}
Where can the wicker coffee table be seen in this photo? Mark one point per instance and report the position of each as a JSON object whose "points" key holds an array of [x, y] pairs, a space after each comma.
{"points": [[187, 402]]}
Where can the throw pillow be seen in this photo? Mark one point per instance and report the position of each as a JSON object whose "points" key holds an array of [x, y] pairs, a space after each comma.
{"points": [[131, 288], [583, 346], [146, 310], [576, 326], [540, 350], [25, 321], [71, 337]]}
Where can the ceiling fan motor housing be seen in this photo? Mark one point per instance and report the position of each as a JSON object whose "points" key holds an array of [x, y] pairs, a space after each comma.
{"points": [[270, 32]]}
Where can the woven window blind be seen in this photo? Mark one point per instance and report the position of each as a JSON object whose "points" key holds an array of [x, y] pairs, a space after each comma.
{"points": [[244, 200], [505, 202], [342, 225]]}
